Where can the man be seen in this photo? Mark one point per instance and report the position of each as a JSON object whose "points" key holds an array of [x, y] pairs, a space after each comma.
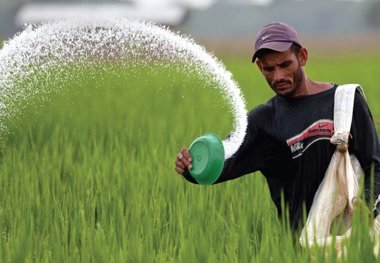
{"points": [[288, 138]]}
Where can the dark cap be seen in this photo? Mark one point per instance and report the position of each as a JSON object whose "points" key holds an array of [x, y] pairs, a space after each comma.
{"points": [[275, 36]]}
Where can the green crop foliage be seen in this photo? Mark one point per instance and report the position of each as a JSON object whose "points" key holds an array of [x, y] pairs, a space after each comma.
{"points": [[87, 172]]}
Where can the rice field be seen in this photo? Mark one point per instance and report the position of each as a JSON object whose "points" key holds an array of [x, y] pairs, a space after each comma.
{"points": [[87, 173]]}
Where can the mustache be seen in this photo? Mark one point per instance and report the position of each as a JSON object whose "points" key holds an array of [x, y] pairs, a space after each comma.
{"points": [[280, 82]]}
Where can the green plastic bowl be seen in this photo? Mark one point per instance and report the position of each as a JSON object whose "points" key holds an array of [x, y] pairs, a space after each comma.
{"points": [[207, 153]]}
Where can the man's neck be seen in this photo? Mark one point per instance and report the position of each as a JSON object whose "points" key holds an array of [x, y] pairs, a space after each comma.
{"points": [[314, 87]]}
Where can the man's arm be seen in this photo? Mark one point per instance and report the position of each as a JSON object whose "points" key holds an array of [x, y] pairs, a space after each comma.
{"points": [[248, 159], [242, 162], [254, 152]]}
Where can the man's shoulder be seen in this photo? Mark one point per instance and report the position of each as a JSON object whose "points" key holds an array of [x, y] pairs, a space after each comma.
{"points": [[262, 111], [267, 106], [360, 98]]}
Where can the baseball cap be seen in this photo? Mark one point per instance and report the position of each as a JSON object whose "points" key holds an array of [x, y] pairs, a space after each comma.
{"points": [[275, 36]]}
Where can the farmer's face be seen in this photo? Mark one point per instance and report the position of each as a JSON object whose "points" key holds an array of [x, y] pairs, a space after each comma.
{"points": [[284, 71]]}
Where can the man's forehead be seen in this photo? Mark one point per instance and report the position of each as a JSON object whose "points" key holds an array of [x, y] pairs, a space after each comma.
{"points": [[275, 57]]}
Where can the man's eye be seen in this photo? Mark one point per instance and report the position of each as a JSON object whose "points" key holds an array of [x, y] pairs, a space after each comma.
{"points": [[285, 64], [268, 69]]}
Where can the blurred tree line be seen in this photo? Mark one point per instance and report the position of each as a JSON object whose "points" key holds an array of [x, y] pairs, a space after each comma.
{"points": [[374, 14]]}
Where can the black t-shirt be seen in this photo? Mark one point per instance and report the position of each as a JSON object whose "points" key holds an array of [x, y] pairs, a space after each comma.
{"points": [[288, 141]]}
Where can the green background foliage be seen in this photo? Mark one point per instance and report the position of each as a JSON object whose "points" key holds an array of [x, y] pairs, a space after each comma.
{"points": [[87, 174]]}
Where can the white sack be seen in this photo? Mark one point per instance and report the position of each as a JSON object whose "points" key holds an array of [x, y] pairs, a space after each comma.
{"points": [[335, 196]]}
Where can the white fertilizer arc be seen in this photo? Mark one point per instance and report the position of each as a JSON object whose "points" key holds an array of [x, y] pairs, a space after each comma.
{"points": [[65, 43]]}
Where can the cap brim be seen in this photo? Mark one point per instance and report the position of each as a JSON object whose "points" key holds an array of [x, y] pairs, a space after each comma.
{"points": [[276, 46]]}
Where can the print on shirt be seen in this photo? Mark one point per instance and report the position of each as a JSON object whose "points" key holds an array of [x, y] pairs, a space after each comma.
{"points": [[319, 130]]}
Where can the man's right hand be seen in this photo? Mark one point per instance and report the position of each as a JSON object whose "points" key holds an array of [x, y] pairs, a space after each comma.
{"points": [[183, 161]]}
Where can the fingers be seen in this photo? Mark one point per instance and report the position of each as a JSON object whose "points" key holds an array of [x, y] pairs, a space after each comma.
{"points": [[186, 158], [185, 152], [183, 161]]}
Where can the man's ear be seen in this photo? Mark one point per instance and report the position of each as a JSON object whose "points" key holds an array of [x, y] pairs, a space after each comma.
{"points": [[302, 56]]}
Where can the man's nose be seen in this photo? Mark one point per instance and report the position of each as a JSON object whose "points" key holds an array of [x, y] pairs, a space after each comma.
{"points": [[278, 75]]}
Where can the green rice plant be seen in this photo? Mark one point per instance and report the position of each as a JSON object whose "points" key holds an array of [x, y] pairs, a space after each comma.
{"points": [[87, 173]]}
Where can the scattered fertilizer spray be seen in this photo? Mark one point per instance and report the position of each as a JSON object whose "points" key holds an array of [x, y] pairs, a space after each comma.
{"points": [[56, 45]]}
